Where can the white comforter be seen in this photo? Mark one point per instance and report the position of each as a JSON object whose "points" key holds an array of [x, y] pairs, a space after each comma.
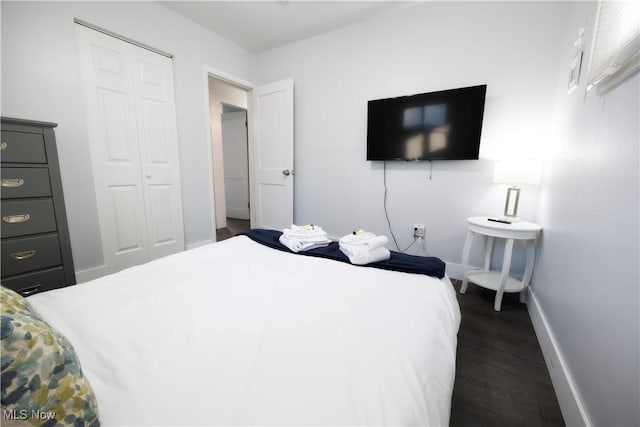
{"points": [[235, 333]]}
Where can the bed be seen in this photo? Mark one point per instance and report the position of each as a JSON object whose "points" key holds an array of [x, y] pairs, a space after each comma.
{"points": [[237, 333]]}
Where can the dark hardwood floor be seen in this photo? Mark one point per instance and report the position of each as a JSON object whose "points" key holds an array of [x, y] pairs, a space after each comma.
{"points": [[234, 226], [501, 376]]}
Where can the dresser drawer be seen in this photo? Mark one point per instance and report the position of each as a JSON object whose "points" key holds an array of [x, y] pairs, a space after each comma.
{"points": [[24, 182], [25, 254], [24, 217], [22, 147], [31, 283]]}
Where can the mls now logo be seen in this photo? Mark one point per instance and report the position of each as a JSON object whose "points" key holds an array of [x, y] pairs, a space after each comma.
{"points": [[23, 414]]}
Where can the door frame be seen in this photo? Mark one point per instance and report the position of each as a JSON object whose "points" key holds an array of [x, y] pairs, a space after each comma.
{"points": [[248, 87]]}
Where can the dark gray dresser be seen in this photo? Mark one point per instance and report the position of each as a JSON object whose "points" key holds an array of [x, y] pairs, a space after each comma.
{"points": [[36, 251]]}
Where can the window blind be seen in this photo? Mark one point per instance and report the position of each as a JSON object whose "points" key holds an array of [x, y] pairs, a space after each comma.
{"points": [[616, 49]]}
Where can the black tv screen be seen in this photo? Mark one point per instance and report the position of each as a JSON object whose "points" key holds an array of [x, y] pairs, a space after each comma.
{"points": [[443, 125]]}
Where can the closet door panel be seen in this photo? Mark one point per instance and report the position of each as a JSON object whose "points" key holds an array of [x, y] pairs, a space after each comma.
{"points": [[163, 224], [158, 139], [118, 141], [157, 150], [113, 137], [107, 62], [127, 219]]}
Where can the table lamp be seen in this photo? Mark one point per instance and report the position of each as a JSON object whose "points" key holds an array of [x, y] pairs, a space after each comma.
{"points": [[514, 172]]}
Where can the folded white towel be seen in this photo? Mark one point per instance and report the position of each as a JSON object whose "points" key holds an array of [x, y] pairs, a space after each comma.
{"points": [[307, 228], [304, 237], [360, 255], [368, 240], [298, 245], [304, 232]]}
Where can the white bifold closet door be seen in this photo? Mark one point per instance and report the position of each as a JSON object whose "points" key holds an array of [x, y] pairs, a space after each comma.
{"points": [[133, 139]]}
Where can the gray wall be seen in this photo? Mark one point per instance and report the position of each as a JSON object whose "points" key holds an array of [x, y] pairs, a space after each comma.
{"points": [[41, 81], [587, 278]]}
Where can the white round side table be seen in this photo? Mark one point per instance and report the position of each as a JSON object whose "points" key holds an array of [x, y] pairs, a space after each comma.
{"points": [[500, 281]]}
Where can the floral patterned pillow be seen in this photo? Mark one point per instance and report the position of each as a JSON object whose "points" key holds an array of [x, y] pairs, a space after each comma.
{"points": [[42, 383]]}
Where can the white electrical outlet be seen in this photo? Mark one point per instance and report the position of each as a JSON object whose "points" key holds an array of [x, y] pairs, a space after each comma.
{"points": [[418, 230]]}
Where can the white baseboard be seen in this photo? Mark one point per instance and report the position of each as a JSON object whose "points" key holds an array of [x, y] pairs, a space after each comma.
{"points": [[91, 273], [573, 410], [454, 271]]}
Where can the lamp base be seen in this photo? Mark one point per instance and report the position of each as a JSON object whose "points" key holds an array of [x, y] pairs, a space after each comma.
{"points": [[511, 204]]}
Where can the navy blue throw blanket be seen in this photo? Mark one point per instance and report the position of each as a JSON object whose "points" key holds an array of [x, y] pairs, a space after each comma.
{"points": [[430, 266]]}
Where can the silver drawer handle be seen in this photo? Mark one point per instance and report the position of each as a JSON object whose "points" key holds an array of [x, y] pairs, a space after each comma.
{"points": [[12, 182], [16, 219], [30, 290], [19, 256], [3, 146]]}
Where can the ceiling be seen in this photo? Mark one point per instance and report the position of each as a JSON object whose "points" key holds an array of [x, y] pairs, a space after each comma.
{"points": [[262, 25]]}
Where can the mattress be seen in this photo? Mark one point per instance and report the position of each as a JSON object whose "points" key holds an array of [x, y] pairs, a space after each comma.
{"points": [[236, 333]]}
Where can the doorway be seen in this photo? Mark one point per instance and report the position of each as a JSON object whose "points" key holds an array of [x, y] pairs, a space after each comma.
{"points": [[228, 105], [270, 148], [236, 171]]}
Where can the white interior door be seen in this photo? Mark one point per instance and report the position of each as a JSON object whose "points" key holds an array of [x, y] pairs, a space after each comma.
{"points": [[272, 160], [133, 140], [236, 166]]}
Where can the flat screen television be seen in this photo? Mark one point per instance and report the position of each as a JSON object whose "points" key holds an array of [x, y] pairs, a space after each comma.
{"points": [[443, 125]]}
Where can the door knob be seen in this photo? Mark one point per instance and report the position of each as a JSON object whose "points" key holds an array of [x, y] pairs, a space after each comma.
{"points": [[286, 172]]}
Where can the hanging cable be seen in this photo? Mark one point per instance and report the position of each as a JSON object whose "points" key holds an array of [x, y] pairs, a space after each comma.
{"points": [[386, 214]]}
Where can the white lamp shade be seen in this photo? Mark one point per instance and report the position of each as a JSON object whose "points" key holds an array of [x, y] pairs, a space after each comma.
{"points": [[517, 171]]}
